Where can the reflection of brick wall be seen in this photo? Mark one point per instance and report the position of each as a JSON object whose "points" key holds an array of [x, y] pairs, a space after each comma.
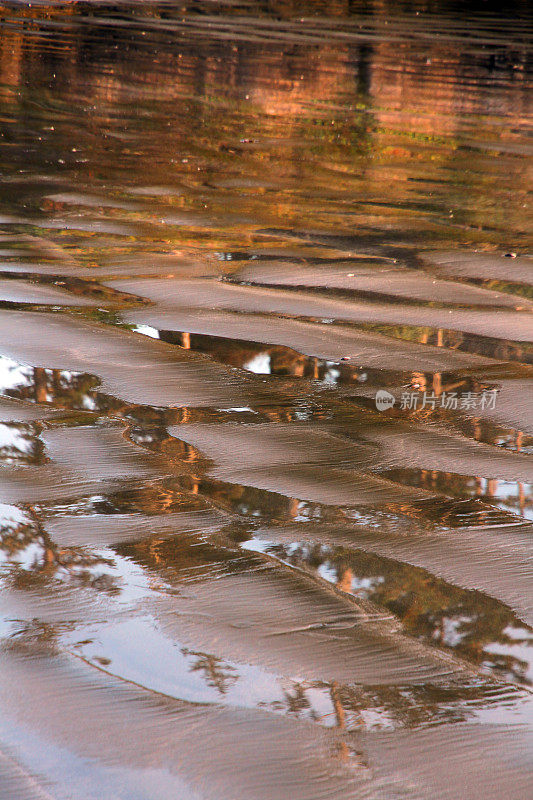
{"points": [[423, 83], [10, 58], [429, 92], [198, 93]]}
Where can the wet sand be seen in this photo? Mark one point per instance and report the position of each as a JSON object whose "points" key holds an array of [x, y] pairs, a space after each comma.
{"points": [[226, 573]]}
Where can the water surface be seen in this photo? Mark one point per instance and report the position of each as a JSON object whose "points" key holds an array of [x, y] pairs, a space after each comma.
{"points": [[225, 574]]}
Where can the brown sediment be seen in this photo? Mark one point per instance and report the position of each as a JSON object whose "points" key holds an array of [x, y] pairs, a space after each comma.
{"points": [[481, 266], [25, 292], [230, 297], [225, 574], [169, 377], [373, 280]]}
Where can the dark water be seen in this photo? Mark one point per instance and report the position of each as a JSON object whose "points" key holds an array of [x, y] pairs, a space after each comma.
{"points": [[226, 574]]}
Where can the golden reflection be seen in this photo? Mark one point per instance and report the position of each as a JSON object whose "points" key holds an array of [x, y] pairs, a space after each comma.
{"points": [[429, 608], [157, 142]]}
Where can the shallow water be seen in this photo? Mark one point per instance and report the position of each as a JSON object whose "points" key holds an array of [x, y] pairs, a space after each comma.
{"points": [[225, 573]]}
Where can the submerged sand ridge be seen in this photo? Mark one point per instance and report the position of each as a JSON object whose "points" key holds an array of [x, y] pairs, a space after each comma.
{"points": [[226, 571]]}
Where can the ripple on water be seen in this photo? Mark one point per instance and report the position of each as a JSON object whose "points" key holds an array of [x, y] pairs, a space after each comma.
{"points": [[226, 575]]}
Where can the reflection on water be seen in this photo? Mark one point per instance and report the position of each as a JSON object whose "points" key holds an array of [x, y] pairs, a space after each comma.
{"points": [[513, 496], [254, 357], [28, 556], [215, 552], [433, 610], [19, 444], [54, 386]]}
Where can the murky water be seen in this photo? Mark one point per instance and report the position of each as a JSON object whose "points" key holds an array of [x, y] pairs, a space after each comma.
{"points": [[225, 573]]}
